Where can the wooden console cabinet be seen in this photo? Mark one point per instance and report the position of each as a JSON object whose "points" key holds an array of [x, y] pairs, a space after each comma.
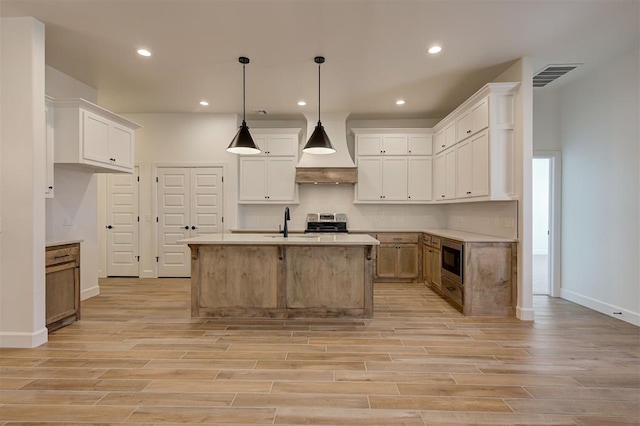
{"points": [[62, 263]]}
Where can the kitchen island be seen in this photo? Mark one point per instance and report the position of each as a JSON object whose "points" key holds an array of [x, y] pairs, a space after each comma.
{"points": [[269, 275]]}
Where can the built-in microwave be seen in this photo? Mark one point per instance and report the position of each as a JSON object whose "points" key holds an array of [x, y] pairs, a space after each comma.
{"points": [[452, 253]]}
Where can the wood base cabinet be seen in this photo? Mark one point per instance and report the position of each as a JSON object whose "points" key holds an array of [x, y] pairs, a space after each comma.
{"points": [[62, 284], [431, 262], [398, 257], [489, 279]]}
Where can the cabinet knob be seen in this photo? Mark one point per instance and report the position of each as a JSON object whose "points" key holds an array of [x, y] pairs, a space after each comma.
{"points": [[442, 146], [186, 227], [442, 196], [451, 288], [109, 227], [468, 192], [409, 196], [194, 227], [468, 131], [51, 187], [112, 159]]}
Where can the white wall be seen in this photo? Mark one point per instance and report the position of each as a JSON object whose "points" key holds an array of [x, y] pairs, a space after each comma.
{"points": [[22, 241], [499, 218], [546, 119], [73, 212], [600, 187]]}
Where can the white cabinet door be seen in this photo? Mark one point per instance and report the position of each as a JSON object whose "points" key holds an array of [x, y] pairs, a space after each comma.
{"points": [[369, 144], [420, 144], [464, 169], [419, 175], [122, 225], [439, 142], [49, 138], [121, 146], [445, 175], [450, 135], [473, 166], [253, 179], [394, 145], [369, 179], [285, 145], [480, 165], [95, 137], [281, 174], [394, 179], [473, 120]]}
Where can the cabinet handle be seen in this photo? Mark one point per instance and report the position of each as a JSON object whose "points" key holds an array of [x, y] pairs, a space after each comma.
{"points": [[109, 227], [60, 256], [468, 192], [442, 146], [451, 288], [468, 131], [112, 159], [186, 227], [51, 187]]}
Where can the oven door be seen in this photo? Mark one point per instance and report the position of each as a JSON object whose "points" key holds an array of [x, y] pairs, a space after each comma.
{"points": [[452, 255]]}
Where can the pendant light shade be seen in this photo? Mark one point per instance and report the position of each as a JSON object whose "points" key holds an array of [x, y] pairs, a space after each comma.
{"points": [[243, 143], [319, 142]]}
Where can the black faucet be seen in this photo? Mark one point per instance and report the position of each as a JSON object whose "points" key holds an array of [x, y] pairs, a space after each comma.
{"points": [[287, 217]]}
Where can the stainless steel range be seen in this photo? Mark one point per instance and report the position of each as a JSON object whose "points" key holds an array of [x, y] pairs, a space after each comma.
{"points": [[326, 223]]}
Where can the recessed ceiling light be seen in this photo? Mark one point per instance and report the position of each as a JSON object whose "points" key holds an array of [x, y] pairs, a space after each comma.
{"points": [[435, 49], [204, 103], [400, 102], [301, 103], [144, 52]]}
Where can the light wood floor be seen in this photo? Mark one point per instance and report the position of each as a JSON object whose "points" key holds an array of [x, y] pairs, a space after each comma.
{"points": [[138, 358]]}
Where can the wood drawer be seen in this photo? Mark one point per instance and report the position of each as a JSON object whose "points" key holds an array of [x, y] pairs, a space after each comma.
{"points": [[453, 291], [398, 238], [62, 254], [435, 241]]}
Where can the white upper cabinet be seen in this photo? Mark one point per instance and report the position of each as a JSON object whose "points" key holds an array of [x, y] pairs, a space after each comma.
{"points": [[394, 165], [92, 137], [473, 120], [482, 132], [269, 177], [382, 144], [446, 137], [420, 144]]}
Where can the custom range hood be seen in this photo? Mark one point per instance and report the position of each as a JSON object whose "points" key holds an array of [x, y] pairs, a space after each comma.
{"points": [[333, 168]]}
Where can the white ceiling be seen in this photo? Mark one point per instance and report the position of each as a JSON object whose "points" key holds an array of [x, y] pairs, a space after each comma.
{"points": [[375, 50]]}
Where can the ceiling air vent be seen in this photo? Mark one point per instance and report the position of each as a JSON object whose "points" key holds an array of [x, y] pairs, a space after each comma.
{"points": [[551, 73]]}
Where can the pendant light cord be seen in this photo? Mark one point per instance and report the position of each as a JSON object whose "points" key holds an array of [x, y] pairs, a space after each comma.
{"points": [[243, 95], [319, 123]]}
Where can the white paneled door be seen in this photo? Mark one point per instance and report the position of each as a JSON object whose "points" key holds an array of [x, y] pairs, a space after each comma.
{"points": [[122, 225], [189, 204]]}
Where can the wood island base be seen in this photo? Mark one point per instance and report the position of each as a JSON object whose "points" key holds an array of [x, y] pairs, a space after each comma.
{"points": [[281, 280]]}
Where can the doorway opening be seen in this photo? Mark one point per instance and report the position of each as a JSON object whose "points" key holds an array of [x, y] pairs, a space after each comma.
{"points": [[546, 223]]}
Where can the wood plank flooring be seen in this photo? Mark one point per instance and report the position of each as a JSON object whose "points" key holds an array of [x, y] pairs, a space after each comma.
{"points": [[137, 357]]}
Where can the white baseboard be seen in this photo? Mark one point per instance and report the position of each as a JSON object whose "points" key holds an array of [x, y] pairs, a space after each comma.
{"points": [[90, 292], [602, 307], [525, 314], [10, 339]]}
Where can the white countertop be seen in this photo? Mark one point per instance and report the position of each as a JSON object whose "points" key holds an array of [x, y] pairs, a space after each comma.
{"points": [[60, 242], [279, 239], [468, 237]]}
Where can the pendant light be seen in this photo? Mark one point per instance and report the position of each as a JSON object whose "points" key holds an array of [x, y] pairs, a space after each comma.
{"points": [[243, 143], [319, 142]]}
